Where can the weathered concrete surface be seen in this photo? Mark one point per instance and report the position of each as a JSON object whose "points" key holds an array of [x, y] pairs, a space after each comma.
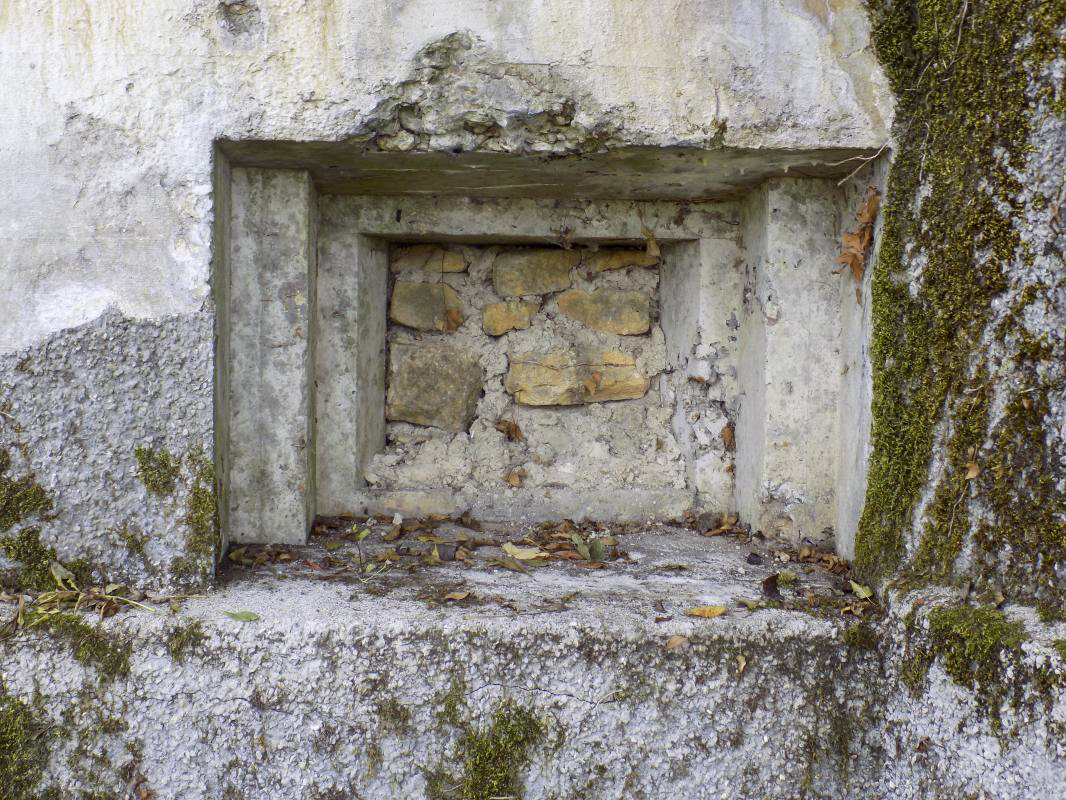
{"points": [[74, 411], [346, 687], [788, 445], [109, 161], [269, 399]]}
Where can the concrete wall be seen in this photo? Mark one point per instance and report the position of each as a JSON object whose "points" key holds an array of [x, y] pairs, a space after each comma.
{"points": [[109, 155]]}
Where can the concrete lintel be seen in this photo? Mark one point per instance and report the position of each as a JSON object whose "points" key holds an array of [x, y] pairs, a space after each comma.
{"points": [[634, 172]]}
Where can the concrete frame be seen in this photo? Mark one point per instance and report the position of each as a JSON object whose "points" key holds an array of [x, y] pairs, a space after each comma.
{"points": [[772, 253]]}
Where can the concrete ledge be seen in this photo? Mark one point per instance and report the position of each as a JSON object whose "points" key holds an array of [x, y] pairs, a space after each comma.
{"points": [[554, 684], [521, 506]]}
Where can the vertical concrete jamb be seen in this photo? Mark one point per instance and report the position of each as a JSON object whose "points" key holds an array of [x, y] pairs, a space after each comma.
{"points": [[220, 287], [350, 358], [720, 293], [271, 358], [750, 435], [857, 378], [790, 416]]}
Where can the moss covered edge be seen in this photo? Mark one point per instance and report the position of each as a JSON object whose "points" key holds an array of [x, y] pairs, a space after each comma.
{"points": [[950, 375]]}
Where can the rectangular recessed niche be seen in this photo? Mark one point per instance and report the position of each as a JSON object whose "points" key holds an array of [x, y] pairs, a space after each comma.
{"points": [[524, 359]]}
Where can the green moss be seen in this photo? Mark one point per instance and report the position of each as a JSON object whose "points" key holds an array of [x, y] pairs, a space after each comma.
{"points": [[201, 508], [393, 716], [158, 470], [972, 642], [452, 702], [20, 498], [33, 557], [1060, 647], [975, 645], [91, 646], [184, 638], [23, 748], [134, 540], [960, 73], [914, 670], [860, 636], [495, 757], [1050, 612]]}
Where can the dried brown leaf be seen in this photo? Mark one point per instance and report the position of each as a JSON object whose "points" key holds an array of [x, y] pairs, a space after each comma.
{"points": [[675, 642], [510, 429], [728, 437], [705, 612]]}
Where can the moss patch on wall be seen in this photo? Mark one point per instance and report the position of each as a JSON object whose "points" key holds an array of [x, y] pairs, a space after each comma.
{"points": [[183, 639], [20, 498], [961, 73], [158, 470], [978, 647], [23, 748], [494, 756], [201, 507], [91, 646], [34, 559]]}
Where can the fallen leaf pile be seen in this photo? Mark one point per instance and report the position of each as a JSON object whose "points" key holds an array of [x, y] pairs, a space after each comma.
{"points": [[838, 565]]}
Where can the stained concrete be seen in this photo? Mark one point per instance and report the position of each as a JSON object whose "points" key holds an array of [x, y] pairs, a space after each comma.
{"points": [[270, 408], [350, 686], [788, 443]]}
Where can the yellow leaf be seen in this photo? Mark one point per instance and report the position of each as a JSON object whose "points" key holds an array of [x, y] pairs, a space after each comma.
{"points": [[706, 612], [523, 553], [675, 641], [456, 595]]}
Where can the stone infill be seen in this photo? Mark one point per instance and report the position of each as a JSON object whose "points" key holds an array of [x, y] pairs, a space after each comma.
{"points": [[440, 385]]}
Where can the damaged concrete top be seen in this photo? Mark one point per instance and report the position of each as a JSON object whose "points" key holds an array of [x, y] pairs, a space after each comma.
{"points": [[645, 580], [107, 150]]}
